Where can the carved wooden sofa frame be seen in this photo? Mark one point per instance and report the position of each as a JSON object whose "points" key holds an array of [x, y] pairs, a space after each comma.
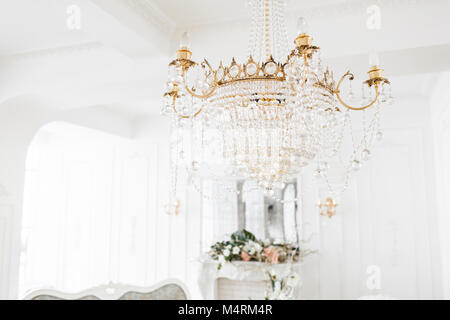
{"points": [[167, 290]]}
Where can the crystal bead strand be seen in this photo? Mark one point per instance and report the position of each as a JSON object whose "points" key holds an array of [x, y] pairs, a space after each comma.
{"points": [[173, 203], [268, 29], [253, 31]]}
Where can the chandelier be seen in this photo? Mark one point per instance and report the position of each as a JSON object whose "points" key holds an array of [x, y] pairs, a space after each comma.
{"points": [[267, 118]]}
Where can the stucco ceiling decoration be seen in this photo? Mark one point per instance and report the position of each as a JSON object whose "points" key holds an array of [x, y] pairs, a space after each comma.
{"points": [[195, 13], [57, 52], [148, 10], [355, 6]]}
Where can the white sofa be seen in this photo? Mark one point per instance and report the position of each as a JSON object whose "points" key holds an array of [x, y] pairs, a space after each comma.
{"points": [[167, 290]]}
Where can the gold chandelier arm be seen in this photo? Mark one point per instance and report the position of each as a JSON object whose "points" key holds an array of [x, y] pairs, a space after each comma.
{"points": [[174, 108], [351, 77], [199, 96]]}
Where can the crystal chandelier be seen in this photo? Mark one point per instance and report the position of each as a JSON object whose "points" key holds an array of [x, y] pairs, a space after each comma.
{"points": [[266, 119]]}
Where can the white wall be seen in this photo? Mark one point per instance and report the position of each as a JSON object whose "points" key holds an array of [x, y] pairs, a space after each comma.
{"points": [[89, 213], [175, 237], [20, 119], [440, 114], [387, 218], [179, 235]]}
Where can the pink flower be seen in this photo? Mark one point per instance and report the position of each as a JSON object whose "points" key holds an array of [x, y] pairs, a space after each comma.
{"points": [[272, 255], [245, 256], [275, 257]]}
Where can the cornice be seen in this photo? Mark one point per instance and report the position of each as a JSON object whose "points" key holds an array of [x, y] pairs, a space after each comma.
{"points": [[356, 6], [55, 52], [148, 10], [348, 7]]}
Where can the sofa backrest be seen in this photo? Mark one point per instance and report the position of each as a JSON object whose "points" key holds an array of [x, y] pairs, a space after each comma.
{"points": [[166, 290]]}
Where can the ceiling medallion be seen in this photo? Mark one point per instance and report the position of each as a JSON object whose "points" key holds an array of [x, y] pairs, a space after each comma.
{"points": [[266, 119]]}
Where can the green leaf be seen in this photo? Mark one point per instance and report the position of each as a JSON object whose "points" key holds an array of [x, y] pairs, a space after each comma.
{"points": [[243, 235]]}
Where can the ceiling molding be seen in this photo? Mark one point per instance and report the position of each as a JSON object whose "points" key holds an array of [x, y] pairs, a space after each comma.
{"points": [[356, 6], [55, 52], [148, 10], [348, 7]]}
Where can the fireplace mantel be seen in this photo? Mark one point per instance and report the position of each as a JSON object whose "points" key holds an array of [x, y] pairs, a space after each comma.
{"points": [[249, 272]]}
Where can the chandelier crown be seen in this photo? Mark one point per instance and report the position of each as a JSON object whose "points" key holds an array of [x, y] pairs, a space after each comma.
{"points": [[251, 70]]}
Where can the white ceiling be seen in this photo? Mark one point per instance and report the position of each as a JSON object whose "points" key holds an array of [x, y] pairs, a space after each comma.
{"points": [[118, 59], [195, 12], [36, 25]]}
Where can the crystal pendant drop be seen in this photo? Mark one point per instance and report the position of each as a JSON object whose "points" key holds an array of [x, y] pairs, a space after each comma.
{"points": [[365, 155], [195, 166], [356, 165], [318, 173], [380, 136]]}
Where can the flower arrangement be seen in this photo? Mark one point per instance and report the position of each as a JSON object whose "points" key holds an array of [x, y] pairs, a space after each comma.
{"points": [[281, 289], [243, 246]]}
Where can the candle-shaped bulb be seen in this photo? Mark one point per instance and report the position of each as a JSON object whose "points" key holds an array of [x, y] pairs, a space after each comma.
{"points": [[302, 26], [184, 42], [374, 59]]}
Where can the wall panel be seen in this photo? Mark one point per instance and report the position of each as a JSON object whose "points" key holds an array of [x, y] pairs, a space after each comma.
{"points": [[383, 220], [6, 214]]}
